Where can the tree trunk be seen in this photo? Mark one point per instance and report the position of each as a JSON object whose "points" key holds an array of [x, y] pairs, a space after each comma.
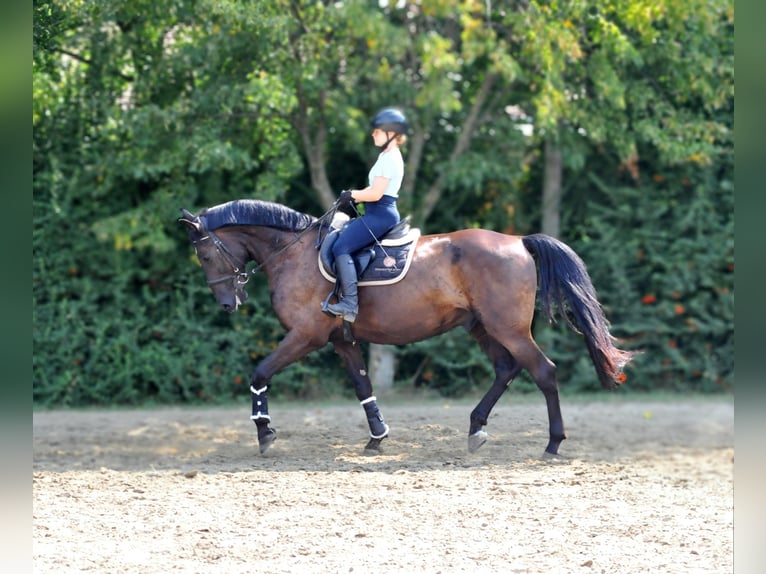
{"points": [[551, 224], [382, 359], [381, 362], [382, 366], [314, 148], [319, 180], [462, 144], [414, 154]]}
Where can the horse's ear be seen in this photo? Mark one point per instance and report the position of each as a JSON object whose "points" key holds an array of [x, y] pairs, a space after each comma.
{"points": [[189, 220]]}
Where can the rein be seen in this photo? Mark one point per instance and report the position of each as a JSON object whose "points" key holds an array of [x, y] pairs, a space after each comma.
{"points": [[242, 277], [374, 238]]}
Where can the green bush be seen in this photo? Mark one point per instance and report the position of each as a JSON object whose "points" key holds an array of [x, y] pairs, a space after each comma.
{"points": [[128, 129], [662, 258], [136, 326], [117, 325]]}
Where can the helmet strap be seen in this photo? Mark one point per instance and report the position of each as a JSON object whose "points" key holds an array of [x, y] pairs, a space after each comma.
{"points": [[388, 141]]}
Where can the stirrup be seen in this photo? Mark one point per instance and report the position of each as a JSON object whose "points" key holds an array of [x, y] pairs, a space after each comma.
{"points": [[326, 304], [349, 316]]}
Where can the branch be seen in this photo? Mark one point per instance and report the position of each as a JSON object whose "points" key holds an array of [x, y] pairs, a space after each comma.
{"points": [[84, 60], [415, 147], [461, 146]]}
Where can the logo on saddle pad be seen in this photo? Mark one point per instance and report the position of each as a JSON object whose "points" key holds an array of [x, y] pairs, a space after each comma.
{"points": [[381, 263]]}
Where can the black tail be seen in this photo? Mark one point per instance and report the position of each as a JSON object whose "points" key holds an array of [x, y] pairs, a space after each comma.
{"points": [[564, 285]]}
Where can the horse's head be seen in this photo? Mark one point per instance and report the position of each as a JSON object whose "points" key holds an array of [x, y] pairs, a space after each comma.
{"points": [[224, 265]]}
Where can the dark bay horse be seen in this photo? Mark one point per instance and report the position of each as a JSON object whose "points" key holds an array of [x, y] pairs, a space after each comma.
{"points": [[481, 280]]}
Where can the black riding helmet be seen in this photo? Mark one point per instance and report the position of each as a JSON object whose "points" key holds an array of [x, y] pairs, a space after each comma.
{"points": [[390, 120]]}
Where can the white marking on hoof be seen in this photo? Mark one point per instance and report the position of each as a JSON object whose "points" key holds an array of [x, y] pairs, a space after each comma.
{"points": [[267, 441], [476, 440]]}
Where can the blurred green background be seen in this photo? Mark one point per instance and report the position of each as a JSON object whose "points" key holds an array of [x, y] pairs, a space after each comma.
{"points": [[606, 123]]}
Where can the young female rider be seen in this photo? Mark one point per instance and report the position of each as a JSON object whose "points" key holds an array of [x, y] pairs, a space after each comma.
{"points": [[389, 131]]}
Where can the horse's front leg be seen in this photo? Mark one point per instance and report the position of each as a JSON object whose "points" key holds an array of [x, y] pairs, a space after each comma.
{"points": [[357, 370], [290, 349]]}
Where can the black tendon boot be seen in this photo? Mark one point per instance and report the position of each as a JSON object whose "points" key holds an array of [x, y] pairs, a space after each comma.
{"points": [[349, 302], [261, 418], [378, 427]]}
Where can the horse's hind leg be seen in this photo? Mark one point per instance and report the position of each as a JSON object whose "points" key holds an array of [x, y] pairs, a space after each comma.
{"points": [[506, 369], [356, 368], [543, 371]]}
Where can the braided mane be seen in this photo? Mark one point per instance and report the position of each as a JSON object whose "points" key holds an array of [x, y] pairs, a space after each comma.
{"points": [[255, 212]]}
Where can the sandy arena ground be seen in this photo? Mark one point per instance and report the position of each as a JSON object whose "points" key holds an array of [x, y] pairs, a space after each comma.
{"points": [[641, 486]]}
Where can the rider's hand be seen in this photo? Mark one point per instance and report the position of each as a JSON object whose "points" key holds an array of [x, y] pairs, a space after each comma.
{"points": [[345, 198]]}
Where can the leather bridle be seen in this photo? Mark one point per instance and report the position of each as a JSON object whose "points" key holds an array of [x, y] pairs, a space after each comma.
{"points": [[240, 277]]}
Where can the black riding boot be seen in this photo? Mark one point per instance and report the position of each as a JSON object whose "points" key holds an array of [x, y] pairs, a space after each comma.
{"points": [[349, 302]]}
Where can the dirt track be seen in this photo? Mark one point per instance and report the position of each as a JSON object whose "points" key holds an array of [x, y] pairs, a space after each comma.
{"points": [[640, 487]]}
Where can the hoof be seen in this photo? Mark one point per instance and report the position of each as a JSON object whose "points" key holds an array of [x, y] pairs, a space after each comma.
{"points": [[266, 440], [373, 447], [556, 459], [476, 440], [553, 446]]}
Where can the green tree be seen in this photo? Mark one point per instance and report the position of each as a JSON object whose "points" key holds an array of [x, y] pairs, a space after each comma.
{"points": [[614, 76], [141, 108], [654, 86], [614, 88]]}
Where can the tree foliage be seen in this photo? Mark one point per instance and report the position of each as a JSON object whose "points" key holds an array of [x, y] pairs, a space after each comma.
{"points": [[140, 108]]}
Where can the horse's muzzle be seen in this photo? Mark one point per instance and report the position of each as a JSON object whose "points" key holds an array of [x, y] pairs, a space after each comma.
{"points": [[240, 296]]}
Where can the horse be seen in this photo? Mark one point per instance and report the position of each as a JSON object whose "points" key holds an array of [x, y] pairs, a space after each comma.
{"points": [[482, 280]]}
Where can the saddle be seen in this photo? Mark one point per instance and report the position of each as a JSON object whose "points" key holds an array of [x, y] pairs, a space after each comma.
{"points": [[382, 263]]}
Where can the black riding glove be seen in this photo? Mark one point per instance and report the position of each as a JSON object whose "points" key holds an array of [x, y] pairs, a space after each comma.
{"points": [[345, 199]]}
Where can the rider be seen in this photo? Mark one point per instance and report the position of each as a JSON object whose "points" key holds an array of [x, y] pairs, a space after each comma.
{"points": [[389, 131]]}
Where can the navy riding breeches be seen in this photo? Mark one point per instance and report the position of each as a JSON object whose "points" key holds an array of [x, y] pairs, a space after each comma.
{"points": [[379, 217]]}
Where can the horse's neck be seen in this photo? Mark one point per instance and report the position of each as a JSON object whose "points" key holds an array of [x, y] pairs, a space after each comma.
{"points": [[258, 242], [270, 247]]}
